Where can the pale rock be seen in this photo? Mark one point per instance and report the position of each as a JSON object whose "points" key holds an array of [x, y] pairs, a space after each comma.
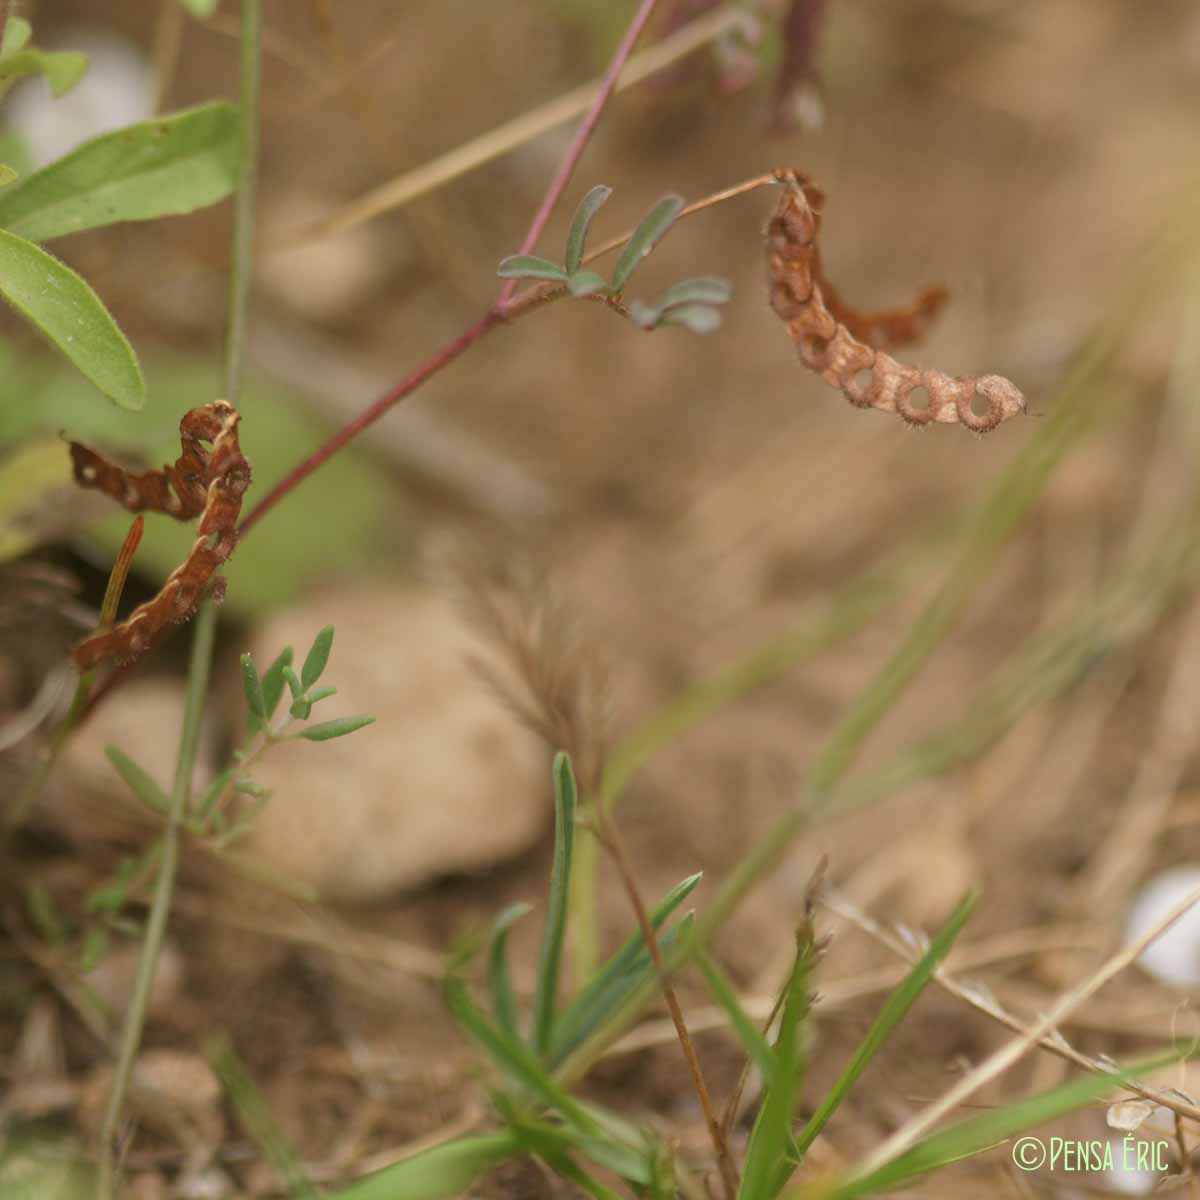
{"points": [[446, 780], [1174, 956]]}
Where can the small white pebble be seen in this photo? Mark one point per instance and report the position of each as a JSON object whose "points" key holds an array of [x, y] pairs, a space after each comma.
{"points": [[1174, 957]]}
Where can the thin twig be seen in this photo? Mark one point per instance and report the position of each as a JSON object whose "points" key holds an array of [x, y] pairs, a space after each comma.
{"points": [[610, 839]]}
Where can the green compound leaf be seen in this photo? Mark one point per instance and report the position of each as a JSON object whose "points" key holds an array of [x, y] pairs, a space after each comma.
{"points": [[139, 780], [530, 266], [589, 206], [339, 727], [647, 235], [152, 169], [316, 659], [66, 310]]}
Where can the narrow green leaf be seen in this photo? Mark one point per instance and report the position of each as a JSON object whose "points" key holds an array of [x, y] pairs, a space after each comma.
{"points": [[63, 69], [530, 266], [317, 657], [441, 1171], [139, 781], [514, 1058], [110, 897], [704, 289], [293, 681], [63, 306], [323, 731], [94, 949], [753, 1042], [301, 708], [504, 1003], [589, 206], [256, 1118], [647, 235], [247, 787], [550, 959], [698, 318], [972, 1136], [252, 689], [157, 168], [272, 681], [767, 1157], [615, 981], [44, 913], [586, 283], [893, 1012], [321, 693]]}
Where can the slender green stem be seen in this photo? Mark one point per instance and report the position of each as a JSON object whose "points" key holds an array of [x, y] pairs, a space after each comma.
{"points": [[160, 905], [242, 264], [204, 627]]}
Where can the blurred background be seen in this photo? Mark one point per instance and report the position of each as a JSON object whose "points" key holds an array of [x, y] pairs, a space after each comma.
{"points": [[643, 511]]}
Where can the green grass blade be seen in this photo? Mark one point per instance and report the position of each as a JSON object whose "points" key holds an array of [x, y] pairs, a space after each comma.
{"points": [[769, 1159], [550, 959], [589, 206], [156, 168], [504, 1002], [512, 1057], [723, 993], [257, 1120], [65, 309], [970, 1137], [441, 1171], [614, 982], [894, 1011]]}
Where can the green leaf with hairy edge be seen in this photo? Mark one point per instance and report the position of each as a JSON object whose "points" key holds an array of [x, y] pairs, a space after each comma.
{"points": [[704, 289], [586, 283], [139, 780], [323, 731], [618, 978], [697, 318], [970, 1137], [511, 1056], [550, 958], [252, 689], [201, 9], [767, 1157], [589, 206], [157, 168], [645, 237], [317, 658], [49, 295], [893, 1012], [504, 1003], [530, 266], [441, 1171], [63, 69], [272, 681], [753, 1042]]}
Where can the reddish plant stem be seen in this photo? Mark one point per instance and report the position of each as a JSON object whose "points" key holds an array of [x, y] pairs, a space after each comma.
{"points": [[443, 358], [579, 142]]}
